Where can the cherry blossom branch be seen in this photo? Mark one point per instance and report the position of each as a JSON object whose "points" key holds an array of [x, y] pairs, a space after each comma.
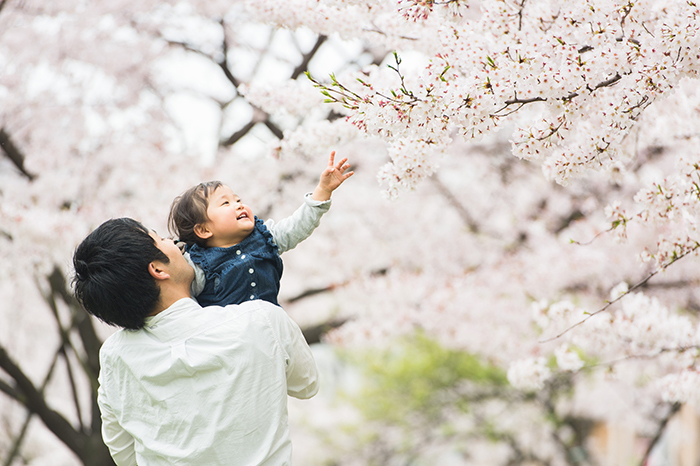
{"points": [[516, 101], [314, 291], [518, 455], [590, 241], [379, 31], [468, 219], [675, 407], [674, 259], [91, 343], [421, 9], [85, 443], [564, 222], [653, 355], [65, 343], [10, 390], [235, 137], [403, 88], [14, 154], [306, 58], [314, 333], [607, 83], [17, 443], [337, 92], [223, 63], [26, 393], [522, 102], [520, 14], [260, 116]]}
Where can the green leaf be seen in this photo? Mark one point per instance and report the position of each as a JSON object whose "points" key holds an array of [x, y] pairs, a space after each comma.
{"points": [[417, 375]]}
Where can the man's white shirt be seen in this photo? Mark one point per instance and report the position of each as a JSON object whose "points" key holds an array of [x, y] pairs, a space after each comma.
{"points": [[204, 386]]}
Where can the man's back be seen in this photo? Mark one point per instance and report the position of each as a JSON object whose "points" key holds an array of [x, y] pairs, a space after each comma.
{"points": [[204, 386]]}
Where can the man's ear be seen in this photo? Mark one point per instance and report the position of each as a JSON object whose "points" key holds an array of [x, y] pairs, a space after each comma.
{"points": [[202, 231], [158, 271]]}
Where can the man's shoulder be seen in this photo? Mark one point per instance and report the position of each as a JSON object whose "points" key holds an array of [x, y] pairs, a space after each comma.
{"points": [[112, 344], [233, 315], [193, 320], [271, 315], [257, 306], [118, 336]]}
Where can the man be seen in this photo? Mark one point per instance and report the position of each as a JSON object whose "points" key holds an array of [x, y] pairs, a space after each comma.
{"points": [[181, 384]]}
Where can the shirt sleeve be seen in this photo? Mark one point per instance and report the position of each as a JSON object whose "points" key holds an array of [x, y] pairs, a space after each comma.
{"points": [[290, 231], [301, 370], [119, 441], [200, 279]]}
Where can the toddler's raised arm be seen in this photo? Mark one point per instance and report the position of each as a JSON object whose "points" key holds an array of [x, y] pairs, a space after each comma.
{"points": [[332, 177], [296, 228]]}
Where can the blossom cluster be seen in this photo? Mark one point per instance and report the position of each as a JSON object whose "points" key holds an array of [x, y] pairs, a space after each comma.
{"points": [[640, 328], [672, 206], [674, 203], [574, 78]]}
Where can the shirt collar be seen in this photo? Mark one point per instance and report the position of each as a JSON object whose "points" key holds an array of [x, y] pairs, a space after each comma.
{"points": [[179, 306]]}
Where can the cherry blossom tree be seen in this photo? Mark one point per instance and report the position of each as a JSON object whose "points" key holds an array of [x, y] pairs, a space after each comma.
{"points": [[597, 93], [541, 160]]}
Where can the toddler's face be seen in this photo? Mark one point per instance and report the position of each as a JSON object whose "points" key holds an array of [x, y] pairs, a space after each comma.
{"points": [[230, 221]]}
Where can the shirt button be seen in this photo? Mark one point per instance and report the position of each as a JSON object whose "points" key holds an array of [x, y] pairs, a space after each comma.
{"points": [[252, 284], [238, 252], [243, 256], [252, 296], [251, 270]]}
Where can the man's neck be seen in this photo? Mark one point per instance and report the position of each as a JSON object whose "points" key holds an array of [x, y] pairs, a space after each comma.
{"points": [[169, 295]]}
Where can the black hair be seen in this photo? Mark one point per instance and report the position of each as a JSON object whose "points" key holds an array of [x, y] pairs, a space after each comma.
{"points": [[112, 280]]}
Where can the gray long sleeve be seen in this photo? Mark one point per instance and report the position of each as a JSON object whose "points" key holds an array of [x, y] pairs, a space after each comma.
{"points": [[290, 231]]}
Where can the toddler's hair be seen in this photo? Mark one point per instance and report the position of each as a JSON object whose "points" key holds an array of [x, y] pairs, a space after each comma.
{"points": [[190, 209]]}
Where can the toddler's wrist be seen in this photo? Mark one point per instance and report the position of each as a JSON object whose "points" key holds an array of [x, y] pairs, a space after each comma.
{"points": [[321, 194]]}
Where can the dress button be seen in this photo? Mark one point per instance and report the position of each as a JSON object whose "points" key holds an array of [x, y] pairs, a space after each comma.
{"points": [[252, 296], [252, 284], [251, 270], [243, 256], [238, 252]]}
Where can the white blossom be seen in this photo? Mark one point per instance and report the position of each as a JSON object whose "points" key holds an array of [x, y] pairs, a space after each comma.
{"points": [[567, 359], [529, 374]]}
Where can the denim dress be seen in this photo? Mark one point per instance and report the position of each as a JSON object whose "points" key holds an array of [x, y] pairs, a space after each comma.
{"points": [[246, 271]]}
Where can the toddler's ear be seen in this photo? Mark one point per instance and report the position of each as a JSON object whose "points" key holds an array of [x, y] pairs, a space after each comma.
{"points": [[202, 231]]}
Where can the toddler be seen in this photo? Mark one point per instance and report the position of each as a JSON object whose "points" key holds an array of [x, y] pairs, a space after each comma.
{"points": [[236, 255]]}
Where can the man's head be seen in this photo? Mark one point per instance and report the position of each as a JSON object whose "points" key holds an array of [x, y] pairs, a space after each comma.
{"points": [[120, 269]]}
